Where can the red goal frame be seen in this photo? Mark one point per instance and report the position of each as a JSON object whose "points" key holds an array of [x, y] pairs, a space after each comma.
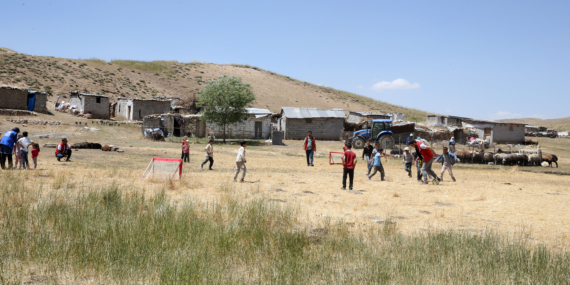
{"points": [[331, 160]]}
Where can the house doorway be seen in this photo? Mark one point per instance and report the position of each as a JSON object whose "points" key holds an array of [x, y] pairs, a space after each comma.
{"points": [[129, 114], [258, 133], [176, 131], [487, 135]]}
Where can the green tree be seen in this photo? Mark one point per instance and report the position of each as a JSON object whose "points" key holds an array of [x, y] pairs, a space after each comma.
{"points": [[223, 101]]}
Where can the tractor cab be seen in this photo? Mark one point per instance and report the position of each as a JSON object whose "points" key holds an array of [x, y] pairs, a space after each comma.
{"points": [[380, 126]]}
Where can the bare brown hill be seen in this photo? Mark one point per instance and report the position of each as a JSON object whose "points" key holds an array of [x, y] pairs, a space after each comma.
{"points": [[137, 79], [560, 124]]}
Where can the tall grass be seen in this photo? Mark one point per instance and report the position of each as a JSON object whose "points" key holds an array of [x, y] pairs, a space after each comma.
{"points": [[116, 235]]}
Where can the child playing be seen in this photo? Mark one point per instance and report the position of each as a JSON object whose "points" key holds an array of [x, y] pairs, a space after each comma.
{"points": [[16, 152], [35, 153], [24, 143], [240, 162], [209, 154], [348, 164], [185, 150], [377, 161], [408, 160], [447, 160]]}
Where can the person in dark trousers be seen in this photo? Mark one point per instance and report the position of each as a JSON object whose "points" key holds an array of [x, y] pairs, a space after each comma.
{"points": [[63, 150], [367, 154], [310, 147], [348, 164], [209, 154], [185, 150], [428, 153], [7, 147]]}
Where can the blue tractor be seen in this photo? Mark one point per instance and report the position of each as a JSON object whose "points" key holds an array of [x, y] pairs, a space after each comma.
{"points": [[379, 132]]}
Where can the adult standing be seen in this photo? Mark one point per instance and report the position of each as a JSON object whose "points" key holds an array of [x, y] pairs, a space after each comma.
{"points": [[63, 150], [367, 153], [410, 138], [310, 147], [452, 145], [428, 153], [7, 146]]}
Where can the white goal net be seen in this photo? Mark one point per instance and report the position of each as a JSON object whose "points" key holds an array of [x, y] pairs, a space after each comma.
{"points": [[163, 169]]}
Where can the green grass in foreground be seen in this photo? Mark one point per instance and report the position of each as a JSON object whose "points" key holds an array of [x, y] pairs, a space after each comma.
{"points": [[128, 238]]}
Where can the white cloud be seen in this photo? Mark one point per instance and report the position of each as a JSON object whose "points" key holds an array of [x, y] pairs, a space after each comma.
{"points": [[501, 115], [399, 83]]}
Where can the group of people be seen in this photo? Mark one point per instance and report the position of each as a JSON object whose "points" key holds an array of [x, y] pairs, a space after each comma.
{"points": [[22, 148], [423, 157], [209, 151]]}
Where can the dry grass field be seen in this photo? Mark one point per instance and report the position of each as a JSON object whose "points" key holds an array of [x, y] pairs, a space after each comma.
{"points": [[528, 207]]}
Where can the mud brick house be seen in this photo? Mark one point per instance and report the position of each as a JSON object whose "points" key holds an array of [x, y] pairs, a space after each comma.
{"points": [[96, 105], [22, 99], [136, 109], [325, 124]]}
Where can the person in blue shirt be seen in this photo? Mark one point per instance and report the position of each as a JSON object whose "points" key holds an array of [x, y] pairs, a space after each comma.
{"points": [[7, 147], [447, 160], [377, 162]]}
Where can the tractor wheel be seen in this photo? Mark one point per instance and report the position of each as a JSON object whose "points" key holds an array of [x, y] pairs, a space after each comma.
{"points": [[386, 142], [358, 143]]}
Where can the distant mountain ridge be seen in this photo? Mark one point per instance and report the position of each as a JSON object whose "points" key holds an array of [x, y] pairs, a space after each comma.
{"points": [[138, 79], [561, 124]]}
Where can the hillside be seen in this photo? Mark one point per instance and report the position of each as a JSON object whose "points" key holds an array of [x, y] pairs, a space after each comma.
{"points": [[560, 124], [136, 79]]}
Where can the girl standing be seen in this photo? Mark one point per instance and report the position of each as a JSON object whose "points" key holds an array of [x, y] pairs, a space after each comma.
{"points": [[16, 152], [185, 150], [35, 153]]}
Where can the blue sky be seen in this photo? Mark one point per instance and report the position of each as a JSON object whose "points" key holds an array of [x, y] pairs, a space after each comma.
{"points": [[483, 59]]}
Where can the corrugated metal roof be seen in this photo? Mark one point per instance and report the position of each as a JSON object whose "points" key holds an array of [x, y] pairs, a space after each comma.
{"points": [[258, 111], [305, 113]]}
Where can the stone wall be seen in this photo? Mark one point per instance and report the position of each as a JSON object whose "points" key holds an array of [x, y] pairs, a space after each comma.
{"points": [[96, 105], [13, 99], [506, 133], [41, 103], [243, 130], [322, 128], [134, 109]]}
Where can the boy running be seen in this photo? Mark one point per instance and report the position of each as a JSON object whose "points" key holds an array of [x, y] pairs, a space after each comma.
{"points": [[348, 164], [408, 160], [427, 153], [377, 161], [447, 160], [209, 154], [240, 162]]}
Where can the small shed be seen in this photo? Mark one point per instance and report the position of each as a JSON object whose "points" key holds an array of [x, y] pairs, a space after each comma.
{"points": [[325, 124], [396, 117], [22, 99], [256, 126], [136, 109], [96, 105], [497, 132]]}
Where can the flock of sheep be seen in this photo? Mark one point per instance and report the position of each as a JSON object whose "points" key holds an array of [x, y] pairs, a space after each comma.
{"points": [[502, 158]]}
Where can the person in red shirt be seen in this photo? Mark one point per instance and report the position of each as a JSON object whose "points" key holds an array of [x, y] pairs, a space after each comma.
{"points": [[63, 150], [185, 150], [35, 153], [428, 155], [348, 164]]}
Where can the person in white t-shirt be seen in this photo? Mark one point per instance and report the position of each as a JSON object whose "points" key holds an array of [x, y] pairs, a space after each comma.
{"points": [[240, 162], [209, 154], [24, 142]]}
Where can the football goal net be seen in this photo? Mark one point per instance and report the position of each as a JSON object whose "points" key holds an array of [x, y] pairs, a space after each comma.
{"points": [[163, 169], [335, 157]]}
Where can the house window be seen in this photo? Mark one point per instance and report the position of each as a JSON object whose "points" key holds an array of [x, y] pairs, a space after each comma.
{"points": [[308, 121], [98, 99], [510, 128], [140, 116]]}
